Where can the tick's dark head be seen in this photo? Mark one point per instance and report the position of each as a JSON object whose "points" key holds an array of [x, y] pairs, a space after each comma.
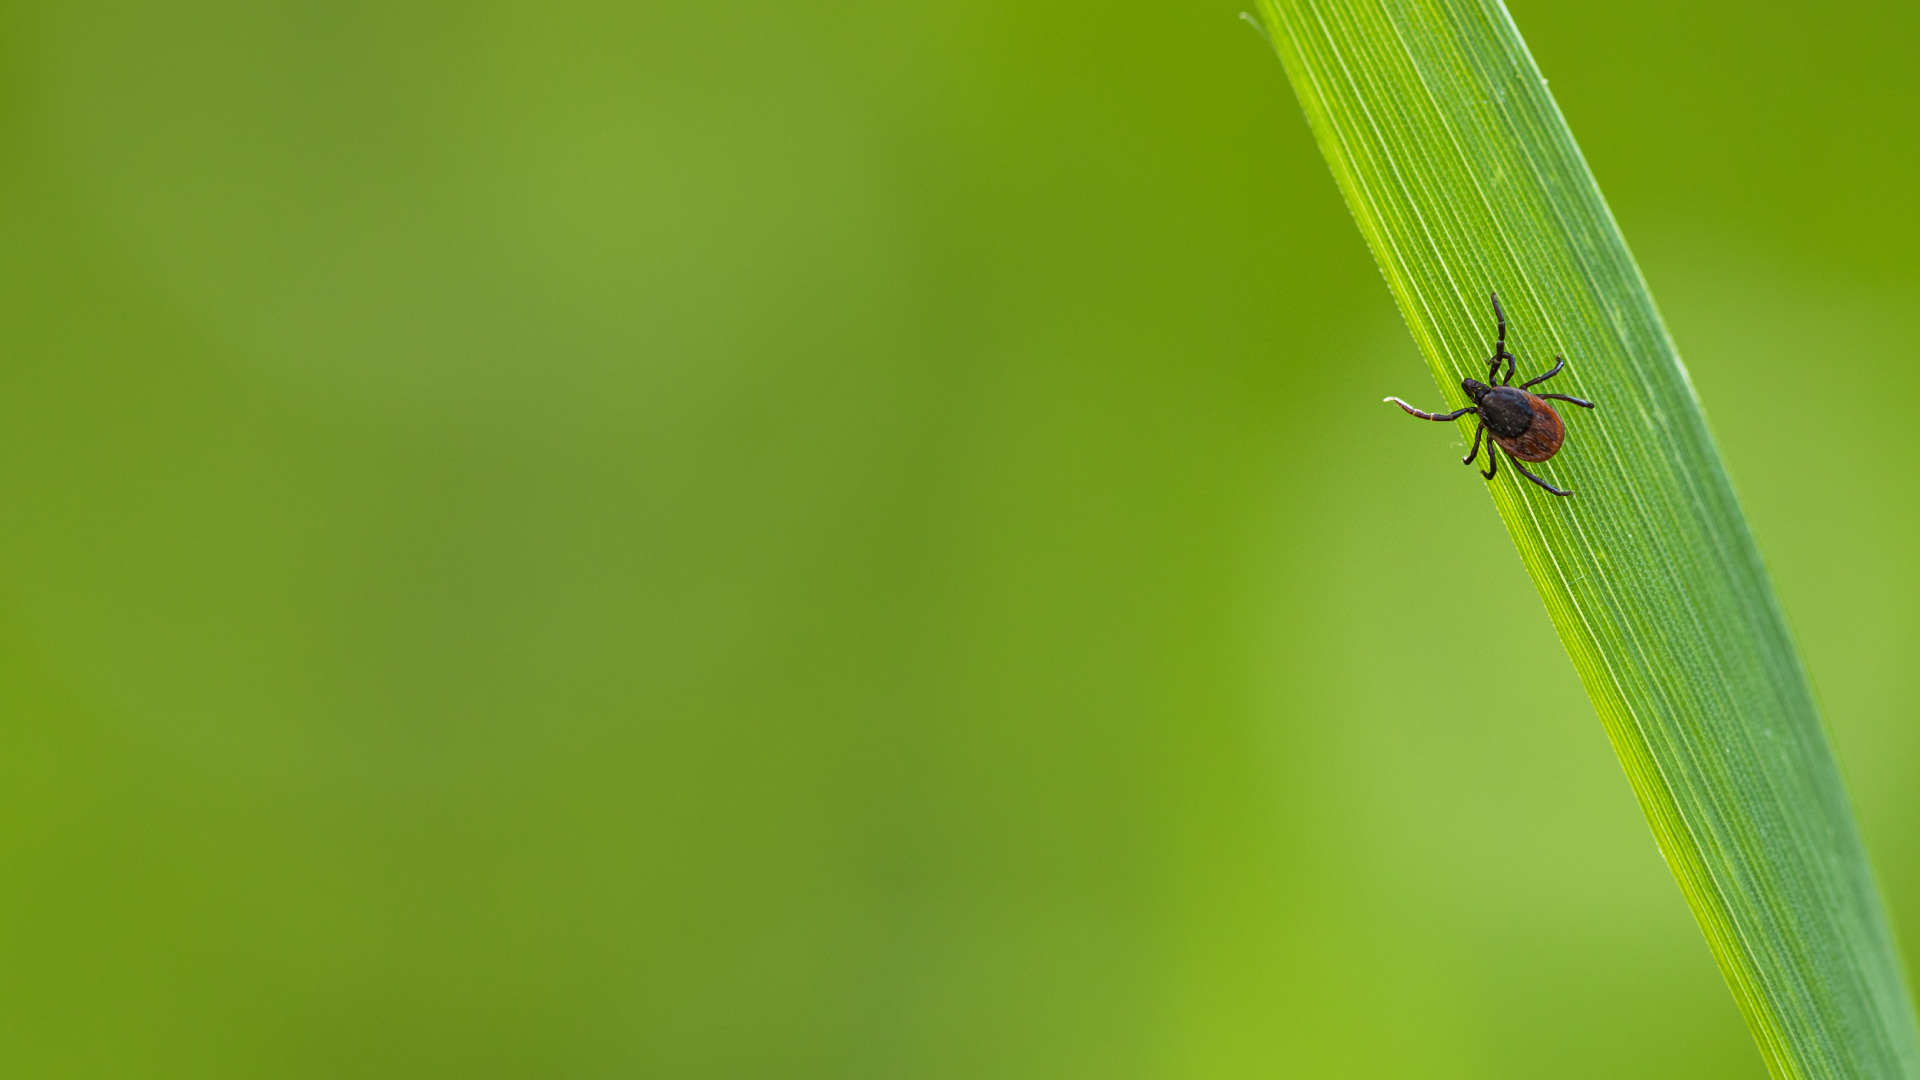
{"points": [[1475, 389]]}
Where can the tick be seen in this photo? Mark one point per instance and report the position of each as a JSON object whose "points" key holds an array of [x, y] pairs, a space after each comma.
{"points": [[1524, 425]]}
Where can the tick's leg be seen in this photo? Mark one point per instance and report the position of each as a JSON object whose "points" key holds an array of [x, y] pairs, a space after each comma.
{"points": [[1493, 367], [1500, 346], [1558, 363], [1478, 430], [1493, 462], [1454, 415], [1537, 480], [1563, 397]]}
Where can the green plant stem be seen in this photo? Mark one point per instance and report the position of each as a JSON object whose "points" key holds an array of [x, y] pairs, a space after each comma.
{"points": [[1465, 179]]}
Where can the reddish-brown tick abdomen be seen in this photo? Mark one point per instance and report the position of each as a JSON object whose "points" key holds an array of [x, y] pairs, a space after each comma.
{"points": [[1542, 438]]}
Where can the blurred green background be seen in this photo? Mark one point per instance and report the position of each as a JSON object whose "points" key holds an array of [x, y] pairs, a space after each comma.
{"points": [[861, 540]]}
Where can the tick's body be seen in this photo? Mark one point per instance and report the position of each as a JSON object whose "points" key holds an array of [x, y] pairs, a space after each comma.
{"points": [[1523, 424]]}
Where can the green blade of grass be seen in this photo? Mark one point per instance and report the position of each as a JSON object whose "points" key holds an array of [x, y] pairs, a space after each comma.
{"points": [[1465, 179]]}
